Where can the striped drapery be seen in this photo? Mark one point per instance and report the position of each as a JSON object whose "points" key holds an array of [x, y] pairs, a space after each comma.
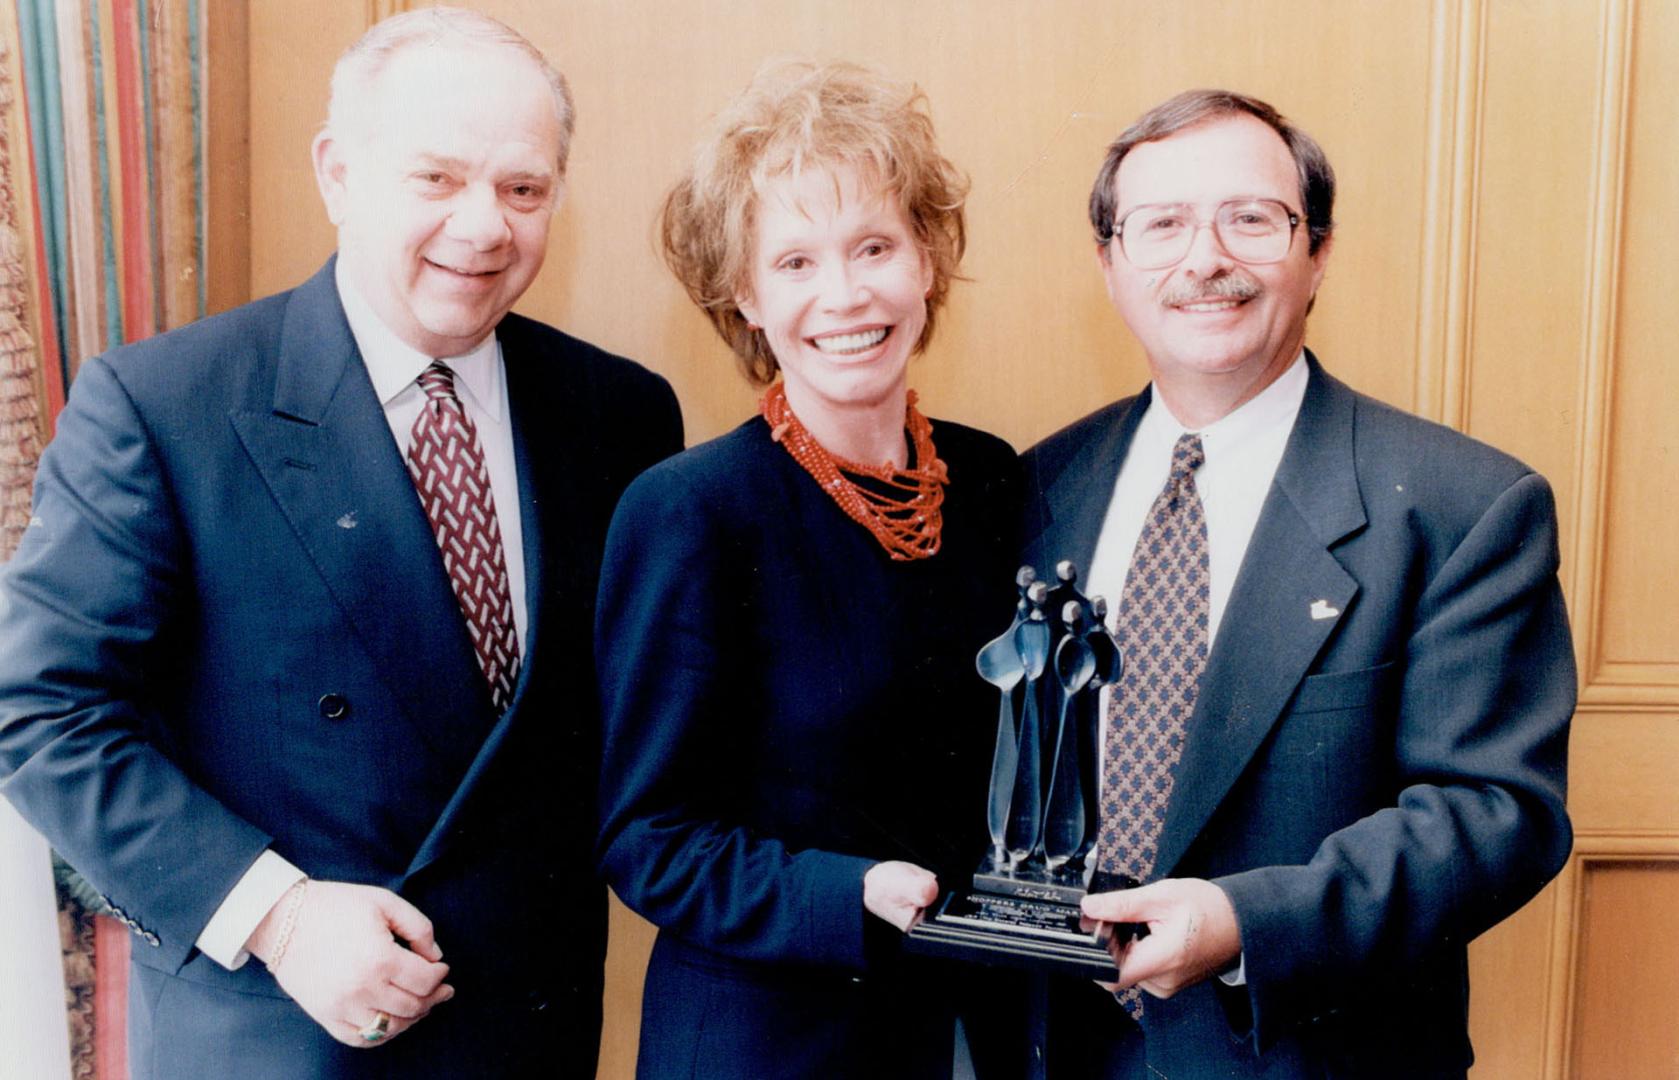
{"points": [[33, 981], [20, 361], [115, 118], [102, 241]]}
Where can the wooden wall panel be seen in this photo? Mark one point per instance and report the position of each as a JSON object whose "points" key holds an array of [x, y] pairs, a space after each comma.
{"points": [[1510, 973], [227, 148], [1531, 229], [1628, 969], [1024, 104], [1624, 771], [1506, 173], [293, 49], [1637, 634]]}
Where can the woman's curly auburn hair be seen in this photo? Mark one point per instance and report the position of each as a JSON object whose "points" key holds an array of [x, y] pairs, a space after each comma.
{"points": [[793, 116]]}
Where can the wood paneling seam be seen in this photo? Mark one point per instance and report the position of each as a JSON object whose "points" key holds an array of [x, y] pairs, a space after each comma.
{"points": [[1610, 845], [1597, 371], [1631, 687], [1592, 457], [1559, 996], [1445, 306]]}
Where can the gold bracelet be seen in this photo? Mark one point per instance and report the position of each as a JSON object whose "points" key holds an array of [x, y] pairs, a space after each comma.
{"points": [[288, 923]]}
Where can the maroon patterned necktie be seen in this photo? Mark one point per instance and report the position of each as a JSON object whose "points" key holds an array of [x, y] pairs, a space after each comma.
{"points": [[447, 463], [1162, 626]]}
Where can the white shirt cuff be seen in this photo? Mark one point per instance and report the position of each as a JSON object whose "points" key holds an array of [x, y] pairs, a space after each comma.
{"points": [[224, 936], [1239, 977]]}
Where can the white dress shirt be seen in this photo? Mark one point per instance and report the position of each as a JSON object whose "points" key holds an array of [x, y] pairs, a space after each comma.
{"points": [[394, 366], [1243, 450]]}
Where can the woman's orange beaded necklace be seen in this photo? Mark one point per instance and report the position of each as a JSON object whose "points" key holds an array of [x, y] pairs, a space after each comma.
{"points": [[907, 526]]}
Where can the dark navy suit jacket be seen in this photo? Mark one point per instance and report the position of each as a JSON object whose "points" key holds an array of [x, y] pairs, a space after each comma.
{"points": [[228, 628], [1374, 771]]}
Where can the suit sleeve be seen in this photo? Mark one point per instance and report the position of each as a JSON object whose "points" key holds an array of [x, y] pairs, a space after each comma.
{"points": [[646, 424], [668, 640], [1479, 825], [90, 602], [671, 425]]}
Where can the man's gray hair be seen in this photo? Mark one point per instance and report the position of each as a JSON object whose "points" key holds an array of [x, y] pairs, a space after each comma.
{"points": [[363, 61]]}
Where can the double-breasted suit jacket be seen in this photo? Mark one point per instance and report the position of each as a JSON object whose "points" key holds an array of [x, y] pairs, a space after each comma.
{"points": [[228, 628], [1374, 771]]}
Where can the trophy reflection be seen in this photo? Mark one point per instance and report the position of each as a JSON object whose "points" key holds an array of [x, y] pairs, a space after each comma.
{"points": [[1023, 907]]}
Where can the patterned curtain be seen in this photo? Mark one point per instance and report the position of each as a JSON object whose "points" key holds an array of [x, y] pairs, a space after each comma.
{"points": [[102, 212]]}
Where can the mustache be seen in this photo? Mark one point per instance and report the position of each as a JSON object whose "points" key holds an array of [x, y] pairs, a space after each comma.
{"points": [[1231, 286]]}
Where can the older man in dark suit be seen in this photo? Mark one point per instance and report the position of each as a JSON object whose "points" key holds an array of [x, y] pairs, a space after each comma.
{"points": [[1338, 751], [297, 656]]}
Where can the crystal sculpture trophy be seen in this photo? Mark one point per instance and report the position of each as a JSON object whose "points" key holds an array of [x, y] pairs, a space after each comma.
{"points": [[1022, 906]]}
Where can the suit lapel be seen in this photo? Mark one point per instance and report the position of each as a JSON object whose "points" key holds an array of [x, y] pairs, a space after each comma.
{"points": [[326, 454], [1288, 598], [550, 457], [1075, 501], [554, 448]]}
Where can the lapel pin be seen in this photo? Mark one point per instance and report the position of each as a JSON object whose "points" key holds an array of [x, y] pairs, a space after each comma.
{"points": [[1321, 610]]}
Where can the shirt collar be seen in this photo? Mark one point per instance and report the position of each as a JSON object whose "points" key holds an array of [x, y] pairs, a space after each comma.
{"points": [[393, 364], [1274, 407]]}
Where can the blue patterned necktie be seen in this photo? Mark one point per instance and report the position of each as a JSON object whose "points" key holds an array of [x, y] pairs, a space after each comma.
{"points": [[1162, 626]]}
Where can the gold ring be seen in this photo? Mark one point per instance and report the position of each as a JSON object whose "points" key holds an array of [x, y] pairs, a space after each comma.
{"points": [[378, 1029]]}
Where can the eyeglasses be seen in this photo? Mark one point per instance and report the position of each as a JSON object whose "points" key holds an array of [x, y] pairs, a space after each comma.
{"points": [[1159, 235]]}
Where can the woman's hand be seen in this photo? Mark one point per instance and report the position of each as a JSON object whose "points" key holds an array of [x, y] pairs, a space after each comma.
{"points": [[898, 891]]}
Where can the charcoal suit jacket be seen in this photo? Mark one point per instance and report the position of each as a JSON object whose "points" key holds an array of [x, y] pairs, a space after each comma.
{"points": [[1374, 770], [228, 628]]}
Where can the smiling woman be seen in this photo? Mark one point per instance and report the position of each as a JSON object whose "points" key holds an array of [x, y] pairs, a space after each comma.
{"points": [[838, 287], [784, 798]]}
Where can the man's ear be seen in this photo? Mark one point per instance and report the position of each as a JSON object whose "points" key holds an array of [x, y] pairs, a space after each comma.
{"points": [[1320, 261], [330, 174]]}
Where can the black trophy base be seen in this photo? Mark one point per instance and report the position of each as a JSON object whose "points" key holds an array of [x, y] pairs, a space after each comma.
{"points": [[1025, 918]]}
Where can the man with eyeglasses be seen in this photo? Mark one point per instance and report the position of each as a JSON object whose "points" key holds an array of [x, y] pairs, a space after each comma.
{"points": [[1338, 750]]}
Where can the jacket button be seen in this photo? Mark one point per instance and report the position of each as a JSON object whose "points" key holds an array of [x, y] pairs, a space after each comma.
{"points": [[334, 706]]}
